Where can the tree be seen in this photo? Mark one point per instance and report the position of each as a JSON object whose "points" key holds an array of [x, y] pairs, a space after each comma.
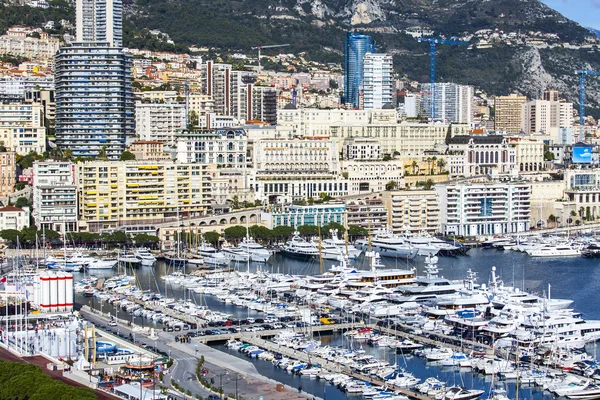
{"points": [[441, 164], [211, 237], [281, 232], [22, 202], [428, 184], [387, 157], [10, 235], [415, 167], [573, 213], [308, 230], [194, 120], [391, 185], [143, 239], [235, 202], [355, 231], [20, 185], [326, 230], [260, 232], [548, 156], [127, 156], [102, 155], [235, 232], [552, 219]]}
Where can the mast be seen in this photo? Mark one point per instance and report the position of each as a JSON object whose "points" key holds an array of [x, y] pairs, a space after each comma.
{"points": [[346, 231], [320, 251]]}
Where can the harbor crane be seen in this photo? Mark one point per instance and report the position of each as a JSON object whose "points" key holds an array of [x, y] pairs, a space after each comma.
{"points": [[433, 42], [582, 79], [270, 46]]}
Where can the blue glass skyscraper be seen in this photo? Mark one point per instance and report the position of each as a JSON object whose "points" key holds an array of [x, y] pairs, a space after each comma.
{"points": [[355, 48]]}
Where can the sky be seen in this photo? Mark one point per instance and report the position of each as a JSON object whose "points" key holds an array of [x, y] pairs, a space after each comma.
{"points": [[585, 12]]}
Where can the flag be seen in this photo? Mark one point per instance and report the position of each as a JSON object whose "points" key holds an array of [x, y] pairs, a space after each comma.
{"points": [[3, 279]]}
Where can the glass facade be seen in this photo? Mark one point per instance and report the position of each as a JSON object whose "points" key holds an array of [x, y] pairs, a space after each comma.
{"points": [[94, 99], [355, 48]]}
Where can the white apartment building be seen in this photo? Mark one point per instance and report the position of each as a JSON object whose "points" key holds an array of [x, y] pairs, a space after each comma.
{"points": [[216, 82], [583, 193], [17, 43], [480, 155], [372, 176], [293, 169], [201, 104], [223, 147], [377, 81], [314, 122], [22, 127], [99, 21], [413, 210], [453, 102], [543, 116], [14, 218], [362, 149], [18, 86], [529, 153], [412, 105], [159, 121], [55, 196], [477, 209], [408, 139]]}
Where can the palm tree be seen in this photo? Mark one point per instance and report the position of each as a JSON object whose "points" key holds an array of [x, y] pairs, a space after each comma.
{"points": [[441, 164], [433, 162], [429, 165], [415, 166]]}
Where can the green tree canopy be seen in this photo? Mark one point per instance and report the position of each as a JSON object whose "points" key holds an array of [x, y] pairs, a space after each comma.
{"points": [[143, 239], [127, 156], [235, 232], [282, 232], [308, 230], [22, 202], [212, 237], [357, 231]]}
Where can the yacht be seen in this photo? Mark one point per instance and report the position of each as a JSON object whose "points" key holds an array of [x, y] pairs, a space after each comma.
{"points": [[129, 258], [560, 250], [101, 264], [389, 245], [430, 245], [334, 248], [297, 247], [212, 256], [145, 257], [236, 254], [257, 252]]}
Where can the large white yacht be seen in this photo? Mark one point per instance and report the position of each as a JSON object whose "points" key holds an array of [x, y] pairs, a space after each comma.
{"points": [[297, 247], [430, 245], [146, 258], [388, 245], [212, 256], [559, 250], [257, 252], [334, 248]]}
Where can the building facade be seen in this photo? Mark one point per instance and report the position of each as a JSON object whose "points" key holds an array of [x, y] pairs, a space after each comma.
{"points": [[8, 173], [22, 127], [377, 81], [312, 215], [99, 21], [94, 100], [583, 193], [159, 121], [55, 196], [148, 150], [480, 155], [453, 102], [114, 194], [14, 218], [216, 82], [479, 209], [369, 214], [543, 116], [413, 211], [508, 111], [358, 149], [18, 43], [225, 147], [355, 48]]}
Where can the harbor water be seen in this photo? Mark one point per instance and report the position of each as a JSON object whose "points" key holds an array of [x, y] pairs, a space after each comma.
{"points": [[575, 278]]}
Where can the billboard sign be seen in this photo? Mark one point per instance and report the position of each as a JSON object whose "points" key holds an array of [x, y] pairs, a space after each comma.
{"points": [[582, 155]]}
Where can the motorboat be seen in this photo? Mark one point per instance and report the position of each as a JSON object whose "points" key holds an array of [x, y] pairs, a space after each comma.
{"points": [[334, 248], [236, 254], [429, 246], [388, 245], [129, 258], [257, 252], [212, 256], [459, 393], [561, 250], [101, 264], [297, 247], [145, 257]]}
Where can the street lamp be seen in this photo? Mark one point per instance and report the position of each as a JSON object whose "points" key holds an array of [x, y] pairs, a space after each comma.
{"points": [[221, 375], [237, 378]]}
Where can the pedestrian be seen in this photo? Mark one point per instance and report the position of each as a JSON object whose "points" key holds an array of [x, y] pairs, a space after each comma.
{"points": [[300, 389]]}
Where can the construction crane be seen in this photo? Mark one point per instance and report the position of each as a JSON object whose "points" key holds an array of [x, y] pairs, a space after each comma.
{"points": [[433, 42], [582, 77], [270, 46]]}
